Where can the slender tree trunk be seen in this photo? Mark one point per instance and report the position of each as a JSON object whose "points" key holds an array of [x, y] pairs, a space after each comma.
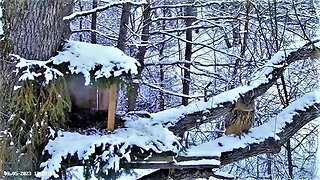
{"points": [[133, 89], [161, 94], [80, 21], [188, 54], [243, 48], [289, 158], [123, 27], [94, 22], [269, 166]]}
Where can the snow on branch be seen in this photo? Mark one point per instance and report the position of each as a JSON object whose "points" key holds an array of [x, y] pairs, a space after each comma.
{"points": [[195, 4], [103, 8], [173, 115], [29, 73], [278, 130], [267, 138], [298, 51], [116, 147], [81, 58], [262, 80], [107, 36]]}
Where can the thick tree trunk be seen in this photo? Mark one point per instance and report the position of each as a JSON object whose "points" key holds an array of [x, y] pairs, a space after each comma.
{"points": [[36, 28], [33, 29]]}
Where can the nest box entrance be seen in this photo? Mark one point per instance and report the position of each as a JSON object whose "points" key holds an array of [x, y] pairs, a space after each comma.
{"points": [[94, 99]]}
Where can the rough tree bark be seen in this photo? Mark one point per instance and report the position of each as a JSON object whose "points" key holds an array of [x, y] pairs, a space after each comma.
{"points": [[40, 26], [162, 72], [33, 30]]}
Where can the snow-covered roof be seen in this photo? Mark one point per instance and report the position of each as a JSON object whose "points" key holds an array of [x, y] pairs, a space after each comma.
{"points": [[82, 58]]}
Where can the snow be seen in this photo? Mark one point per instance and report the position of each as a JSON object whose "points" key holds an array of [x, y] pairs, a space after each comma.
{"points": [[82, 58], [140, 132], [224, 174], [199, 162], [257, 134], [28, 74], [172, 115], [104, 7], [76, 172], [276, 61]]}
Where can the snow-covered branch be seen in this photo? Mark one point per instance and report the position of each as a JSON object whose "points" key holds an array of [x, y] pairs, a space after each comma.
{"points": [[276, 132], [102, 8], [263, 79], [267, 138], [107, 36]]}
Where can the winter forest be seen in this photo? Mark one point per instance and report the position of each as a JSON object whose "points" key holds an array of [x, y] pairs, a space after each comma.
{"points": [[160, 89]]}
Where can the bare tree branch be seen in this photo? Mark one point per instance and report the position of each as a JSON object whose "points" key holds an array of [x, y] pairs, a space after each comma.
{"points": [[101, 8]]}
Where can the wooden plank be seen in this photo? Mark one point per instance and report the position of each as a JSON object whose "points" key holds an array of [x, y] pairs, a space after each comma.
{"points": [[158, 161], [112, 106], [166, 165]]}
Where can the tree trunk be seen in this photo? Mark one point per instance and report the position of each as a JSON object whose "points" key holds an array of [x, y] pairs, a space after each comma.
{"points": [[133, 92], [40, 26], [269, 166], [33, 30], [161, 73], [94, 22], [188, 54]]}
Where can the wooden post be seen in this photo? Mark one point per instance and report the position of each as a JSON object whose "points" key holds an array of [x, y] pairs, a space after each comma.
{"points": [[112, 106]]}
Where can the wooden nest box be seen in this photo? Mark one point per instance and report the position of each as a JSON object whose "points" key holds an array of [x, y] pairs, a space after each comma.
{"points": [[89, 65]]}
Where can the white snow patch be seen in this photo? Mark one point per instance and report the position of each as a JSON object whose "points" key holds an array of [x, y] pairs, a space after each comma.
{"points": [[76, 172], [28, 74], [276, 61], [199, 162], [224, 174]]}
